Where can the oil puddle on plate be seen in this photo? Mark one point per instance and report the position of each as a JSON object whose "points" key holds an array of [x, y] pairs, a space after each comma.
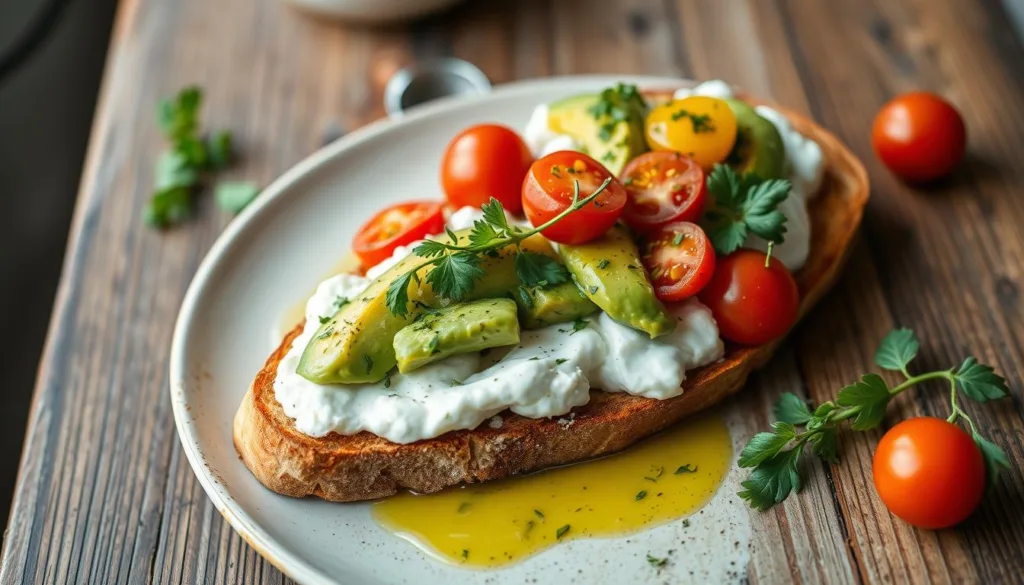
{"points": [[664, 478]]}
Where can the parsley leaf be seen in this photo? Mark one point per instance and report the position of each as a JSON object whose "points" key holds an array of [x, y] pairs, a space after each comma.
{"points": [[897, 350], [494, 214], [826, 445], [172, 170], [765, 445], [994, 456], [168, 206], [792, 409], [541, 270], [483, 233], [579, 325], [235, 196], [980, 382], [773, 480], [430, 249], [397, 297], [685, 469], [743, 205], [219, 150], [454, 275], [871, 395]]}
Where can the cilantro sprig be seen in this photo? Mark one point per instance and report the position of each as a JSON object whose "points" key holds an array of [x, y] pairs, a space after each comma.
{"points": [[742, 205], [180, 170], [774, 456], [455, 268]]}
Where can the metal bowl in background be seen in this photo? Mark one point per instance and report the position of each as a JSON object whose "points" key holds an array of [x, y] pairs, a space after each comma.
{"points": [[372, 11], [429, 80]]}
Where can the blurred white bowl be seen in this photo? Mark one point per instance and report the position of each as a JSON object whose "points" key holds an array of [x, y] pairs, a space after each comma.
{"points": [[373, 11]]}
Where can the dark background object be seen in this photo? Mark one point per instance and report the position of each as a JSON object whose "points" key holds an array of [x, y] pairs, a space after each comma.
{"points": [[46, 106]]}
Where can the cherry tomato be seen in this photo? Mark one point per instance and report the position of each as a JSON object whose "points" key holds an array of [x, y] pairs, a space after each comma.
{"points": [[919, 136], [680, 260], [548, 191], [703, 128], [485, 161], [662, 187], [752, 304], [396, 226], [929, 472]]}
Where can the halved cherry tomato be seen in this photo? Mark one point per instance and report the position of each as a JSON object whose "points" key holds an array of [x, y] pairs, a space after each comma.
{"points": [[662, 187], [703, 128], [396, 226], [929, 472], [919, 136], [679, 259], [484, 161], [548, 191], [751, 303]]}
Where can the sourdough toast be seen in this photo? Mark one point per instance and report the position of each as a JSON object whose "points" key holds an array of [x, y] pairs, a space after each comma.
{"points": [[365, 466]]}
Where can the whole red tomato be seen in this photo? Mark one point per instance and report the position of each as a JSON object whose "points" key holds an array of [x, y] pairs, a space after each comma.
{"points": [[919, 136], [929, 472], [484, 161], [549, 188], [752, 303]]}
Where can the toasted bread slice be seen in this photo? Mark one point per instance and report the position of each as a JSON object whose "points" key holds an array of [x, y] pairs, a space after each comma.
{"points": [[364, 466]]}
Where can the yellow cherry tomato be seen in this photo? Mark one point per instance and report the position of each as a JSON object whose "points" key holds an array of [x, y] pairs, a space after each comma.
{"points": [[702, 128]]}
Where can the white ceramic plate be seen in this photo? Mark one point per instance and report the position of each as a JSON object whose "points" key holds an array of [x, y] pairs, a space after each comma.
{"points": [[269, 259]]}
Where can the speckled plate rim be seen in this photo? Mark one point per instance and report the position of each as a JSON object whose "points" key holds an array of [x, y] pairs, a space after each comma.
{"points": [[250, 530]]}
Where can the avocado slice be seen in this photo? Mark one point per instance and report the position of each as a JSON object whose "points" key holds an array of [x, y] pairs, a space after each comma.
{"points": [[759, 148], [540, 307], [460, 328], [613, 148], [355, 344], [609, 272]]}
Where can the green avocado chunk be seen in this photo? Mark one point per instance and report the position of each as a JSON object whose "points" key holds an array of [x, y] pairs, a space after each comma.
{"points": [[609, 272], [461, 328], [540, 307], [355, 344], [759, 148], [613, 148]]}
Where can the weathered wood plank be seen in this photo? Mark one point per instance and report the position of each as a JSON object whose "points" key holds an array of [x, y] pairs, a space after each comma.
{"points": [[105, 493]]}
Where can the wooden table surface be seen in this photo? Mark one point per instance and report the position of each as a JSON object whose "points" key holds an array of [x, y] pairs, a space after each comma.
{"points": [[105, 494]]}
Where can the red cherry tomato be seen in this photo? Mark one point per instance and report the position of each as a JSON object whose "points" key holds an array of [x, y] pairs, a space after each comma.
{"points": [[485, 161], [929, 472], [396, 226], [662, 187], [679, 259], [752, 304], [548, 191], [919, 136]]}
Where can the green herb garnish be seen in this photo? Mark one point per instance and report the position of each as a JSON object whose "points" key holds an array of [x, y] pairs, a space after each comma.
{"points": [[622, 103], [655, 561], [742, 205], [685, 469], [579, 325], [775, 455], [454, 268], [539, 514], [233, 197], [562, 531], [179, 171], [641, 495], [603, 263], [324, 319]]}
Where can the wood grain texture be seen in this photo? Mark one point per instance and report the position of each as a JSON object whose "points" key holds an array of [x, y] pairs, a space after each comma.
{"points": [[105, 494]]}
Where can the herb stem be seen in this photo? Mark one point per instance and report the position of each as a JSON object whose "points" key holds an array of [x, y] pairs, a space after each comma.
{"points": [[915, 380]]}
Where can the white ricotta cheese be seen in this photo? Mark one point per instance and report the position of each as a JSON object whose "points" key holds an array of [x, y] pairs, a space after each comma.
{"points": [[549, 373]]}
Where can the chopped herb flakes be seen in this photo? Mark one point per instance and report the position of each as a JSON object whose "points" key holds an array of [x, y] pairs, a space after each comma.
{"points": [[579, 325], [603, 263], [655, 561], [641, 495], [562, 531], [324, 320], [465, 554], [560, 361], [539, 514], [685, 469], [369, 363]]}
